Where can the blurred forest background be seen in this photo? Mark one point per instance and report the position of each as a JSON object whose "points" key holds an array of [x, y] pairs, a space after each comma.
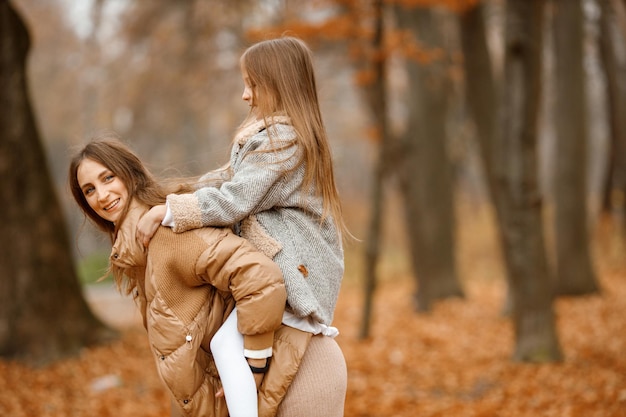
{"points": [[479, 148]]}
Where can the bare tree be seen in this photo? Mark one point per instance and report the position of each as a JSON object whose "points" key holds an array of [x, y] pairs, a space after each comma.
{"points": [[613, 53], [516, 175], [574, 271], [376, 94], [481, 95], [43, 315], [170, 89], [480, 86], [425, 172]]}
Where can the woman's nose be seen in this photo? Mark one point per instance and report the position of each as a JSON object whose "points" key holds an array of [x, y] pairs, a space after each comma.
{"points": [[102, 194]]}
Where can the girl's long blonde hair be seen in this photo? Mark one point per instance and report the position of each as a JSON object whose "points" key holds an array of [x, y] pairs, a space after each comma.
{"points": [[280, 72]]}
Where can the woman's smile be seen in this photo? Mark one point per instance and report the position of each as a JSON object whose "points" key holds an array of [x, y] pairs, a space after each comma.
{"points": [[112, 205]]}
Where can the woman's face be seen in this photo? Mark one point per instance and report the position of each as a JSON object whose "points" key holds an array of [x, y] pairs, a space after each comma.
{"points": [[105, 193]]}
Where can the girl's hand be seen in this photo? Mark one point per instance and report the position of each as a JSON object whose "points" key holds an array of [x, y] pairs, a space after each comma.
{"points": [[149, 223]]}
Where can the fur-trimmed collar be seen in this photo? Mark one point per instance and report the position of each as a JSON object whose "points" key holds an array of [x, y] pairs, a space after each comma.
{"points": [[256, 126]]}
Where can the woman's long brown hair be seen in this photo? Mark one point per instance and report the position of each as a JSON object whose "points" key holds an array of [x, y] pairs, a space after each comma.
{"points": [[108, 150]]}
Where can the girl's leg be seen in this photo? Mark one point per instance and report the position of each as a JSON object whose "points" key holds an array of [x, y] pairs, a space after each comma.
{"points": [[237, 379]]}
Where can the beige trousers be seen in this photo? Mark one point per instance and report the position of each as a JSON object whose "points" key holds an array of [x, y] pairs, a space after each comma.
{"points": [[319, 387]]}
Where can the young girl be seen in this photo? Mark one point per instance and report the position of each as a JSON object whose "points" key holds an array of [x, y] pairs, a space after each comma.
{"points": [[278, 191]]}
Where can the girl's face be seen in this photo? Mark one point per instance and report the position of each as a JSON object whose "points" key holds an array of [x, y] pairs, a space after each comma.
{"points": [[248, 90], [105, 193]]}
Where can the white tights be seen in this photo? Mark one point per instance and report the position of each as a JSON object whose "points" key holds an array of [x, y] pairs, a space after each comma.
{"points": [[235, 373]]}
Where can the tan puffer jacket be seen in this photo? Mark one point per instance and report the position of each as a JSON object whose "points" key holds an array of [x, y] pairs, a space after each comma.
{"points": [[188, 283]]}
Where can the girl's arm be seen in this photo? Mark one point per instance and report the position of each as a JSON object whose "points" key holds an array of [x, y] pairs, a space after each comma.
{"points": [[149, 223], [258, 183], [261, 181]]}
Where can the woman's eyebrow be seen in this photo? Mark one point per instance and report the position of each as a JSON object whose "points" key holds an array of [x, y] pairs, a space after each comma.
{"points": [[100, 175]]}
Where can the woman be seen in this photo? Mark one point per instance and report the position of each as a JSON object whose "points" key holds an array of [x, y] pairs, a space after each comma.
{"points": [[187, 284]]}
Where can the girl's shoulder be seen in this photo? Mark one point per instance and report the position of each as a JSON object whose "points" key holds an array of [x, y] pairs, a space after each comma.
{"points": [[280, 131], [276, 128]]}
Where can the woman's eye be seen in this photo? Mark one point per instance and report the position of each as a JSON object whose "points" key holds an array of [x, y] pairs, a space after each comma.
{"points": [[109, 178], [88, 191]]}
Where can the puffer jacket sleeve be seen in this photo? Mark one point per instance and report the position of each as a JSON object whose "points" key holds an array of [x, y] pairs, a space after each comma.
{"points": [[232, 264]]}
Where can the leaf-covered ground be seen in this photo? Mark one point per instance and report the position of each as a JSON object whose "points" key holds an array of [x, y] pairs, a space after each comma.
{"points": [[452, 362], [456, 360]]}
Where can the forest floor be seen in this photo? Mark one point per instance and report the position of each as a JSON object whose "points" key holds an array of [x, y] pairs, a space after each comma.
{"points": [[453, 361]]}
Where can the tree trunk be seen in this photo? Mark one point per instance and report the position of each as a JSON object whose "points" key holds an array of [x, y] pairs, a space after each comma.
{"points": [[481, 96], [613, 55], [43, 315], [574, 271], [516, 174], [425, 175], [376, 95], [480, 88]]}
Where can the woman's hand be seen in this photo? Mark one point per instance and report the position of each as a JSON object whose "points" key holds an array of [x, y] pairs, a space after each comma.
{"points": [[149, 223]]}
